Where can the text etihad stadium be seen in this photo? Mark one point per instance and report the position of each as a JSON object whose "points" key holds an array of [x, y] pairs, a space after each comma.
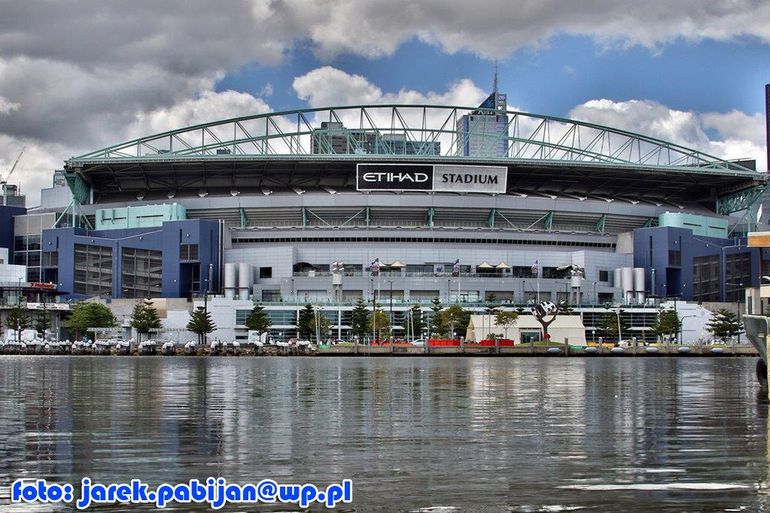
{"points": [[431, 178]]}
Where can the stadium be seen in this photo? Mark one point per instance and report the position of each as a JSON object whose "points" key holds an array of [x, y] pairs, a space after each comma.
{"points": [[397, 204]]}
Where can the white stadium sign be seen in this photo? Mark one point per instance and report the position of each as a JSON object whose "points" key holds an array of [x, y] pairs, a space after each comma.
{"points": [[426, 177], [488, 179]]}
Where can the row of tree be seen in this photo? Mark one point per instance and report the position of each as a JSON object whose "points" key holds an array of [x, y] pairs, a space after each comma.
{"points": [[313, 324], [723, 325], [18, 318]]}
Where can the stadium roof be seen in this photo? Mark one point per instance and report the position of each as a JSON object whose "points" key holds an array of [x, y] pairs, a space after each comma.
{"points": [[544, 154]]}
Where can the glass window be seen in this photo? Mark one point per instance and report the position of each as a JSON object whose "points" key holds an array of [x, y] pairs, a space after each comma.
{"points": [[188, 252], [271, 295], [705, 282], [141, 272], [51, 259], [674, 258], [737, 276], [241, 316], [93, 270]]}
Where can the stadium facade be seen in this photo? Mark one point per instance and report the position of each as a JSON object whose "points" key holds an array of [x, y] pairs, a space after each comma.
{"points": [[395, 203]]}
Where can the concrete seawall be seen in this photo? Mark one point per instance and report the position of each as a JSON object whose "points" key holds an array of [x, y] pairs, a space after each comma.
{"points": [[650, 351]]}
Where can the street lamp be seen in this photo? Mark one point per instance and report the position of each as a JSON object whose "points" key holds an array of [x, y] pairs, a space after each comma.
{"points": [[738, 305], [681, 327]]}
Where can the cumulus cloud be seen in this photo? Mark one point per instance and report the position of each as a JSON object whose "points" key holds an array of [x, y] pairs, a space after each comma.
{"points": [[209, 106], [35, 169], [41, 157], [82, 74], [222, 34], [327, 86], [731, 135], [7, 106], [493, 28]]}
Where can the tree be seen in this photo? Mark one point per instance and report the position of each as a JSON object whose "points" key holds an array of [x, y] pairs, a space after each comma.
{"points": [[359, 318], [667, 325], [312, 324], [144, 318], [321, 326], [258, 320], [414, 318], [455, 317], [42, 323], [724, 324], [491, 306], [438, 326], [505, 319], [201, 323], [306, 322], [17, 320], [90, 315], [379, 322], [609, 326]]}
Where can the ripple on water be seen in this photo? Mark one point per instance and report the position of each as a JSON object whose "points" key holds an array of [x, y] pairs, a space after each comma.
{"points": [[491, 435]]}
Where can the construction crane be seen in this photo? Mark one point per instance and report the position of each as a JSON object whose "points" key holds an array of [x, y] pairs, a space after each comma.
{"points": [[13, 168]]}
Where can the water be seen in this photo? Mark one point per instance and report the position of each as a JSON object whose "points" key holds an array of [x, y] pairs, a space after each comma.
{"points": [[415, 434]]}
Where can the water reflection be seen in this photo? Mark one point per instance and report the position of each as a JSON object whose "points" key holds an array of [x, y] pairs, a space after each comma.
{"points": [[534, 434]]}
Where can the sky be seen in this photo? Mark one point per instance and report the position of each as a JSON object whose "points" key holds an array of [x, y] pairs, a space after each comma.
{"points": [[80, 75]]}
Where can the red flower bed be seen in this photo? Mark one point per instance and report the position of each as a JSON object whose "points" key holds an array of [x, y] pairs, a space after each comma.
{"points": [[443, 342], [504, 342]]}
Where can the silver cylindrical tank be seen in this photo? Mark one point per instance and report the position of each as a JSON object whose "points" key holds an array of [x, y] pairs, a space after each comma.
{"points": [[231, 280], [244, 280], [639, 288], [627, 284], [617, 278]]}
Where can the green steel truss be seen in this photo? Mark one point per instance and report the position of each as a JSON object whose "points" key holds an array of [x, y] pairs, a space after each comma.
{"points": [[738, 201], [414, 131]]}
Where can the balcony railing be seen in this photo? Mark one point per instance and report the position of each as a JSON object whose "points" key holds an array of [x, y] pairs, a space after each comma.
{"points": [[418, 274]]}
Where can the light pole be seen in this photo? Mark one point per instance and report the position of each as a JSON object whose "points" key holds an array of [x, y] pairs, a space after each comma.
{"points": [[207, 281], [738, 305], [723, 263], [681, 327], [18, 317]]}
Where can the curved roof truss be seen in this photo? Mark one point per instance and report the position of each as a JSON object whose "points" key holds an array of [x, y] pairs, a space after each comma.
{"points": [[414, 131]]}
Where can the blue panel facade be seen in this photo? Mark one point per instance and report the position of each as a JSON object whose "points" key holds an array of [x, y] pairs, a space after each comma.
{"points": [[6, 222], [668, 255], [178, 279]]}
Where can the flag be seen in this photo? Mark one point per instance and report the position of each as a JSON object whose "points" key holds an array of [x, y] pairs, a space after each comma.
{"points": [[535, 269], [374, 267], [456, 268]]}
